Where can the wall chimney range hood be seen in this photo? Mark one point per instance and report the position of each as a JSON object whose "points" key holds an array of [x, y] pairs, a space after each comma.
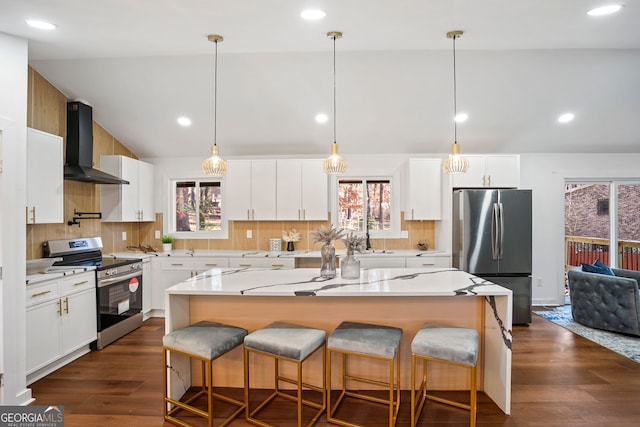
{"points": [[79, 153]]}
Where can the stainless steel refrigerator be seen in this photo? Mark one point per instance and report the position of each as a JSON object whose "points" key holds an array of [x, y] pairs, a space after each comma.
{"points": [[492, 240]]}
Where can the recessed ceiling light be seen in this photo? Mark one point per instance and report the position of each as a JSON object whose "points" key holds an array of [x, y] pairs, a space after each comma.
{"points": [[322, 118], [184, 121], [604, 10], [41, 25], [566, 118], [461, 117], [312, 14]]}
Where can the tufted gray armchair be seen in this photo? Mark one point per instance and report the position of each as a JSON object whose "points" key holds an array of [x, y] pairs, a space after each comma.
{"points": [[606, 302]]}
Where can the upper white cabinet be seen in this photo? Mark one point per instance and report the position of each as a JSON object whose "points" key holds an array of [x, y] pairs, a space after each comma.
{"points": [[423, 191], [251, 190], [490, 171], [301, 190], [132, 202], [45, 189]]}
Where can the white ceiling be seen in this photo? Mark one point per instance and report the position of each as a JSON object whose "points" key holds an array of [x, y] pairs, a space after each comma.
{"points": [[520, 64]]}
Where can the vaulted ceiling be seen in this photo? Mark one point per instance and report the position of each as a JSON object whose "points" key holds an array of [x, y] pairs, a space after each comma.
{"points": [[520, 64]]}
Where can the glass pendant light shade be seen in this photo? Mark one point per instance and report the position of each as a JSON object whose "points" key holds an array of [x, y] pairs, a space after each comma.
{"points": [[334, 164], [455, 164], [214, 165]]}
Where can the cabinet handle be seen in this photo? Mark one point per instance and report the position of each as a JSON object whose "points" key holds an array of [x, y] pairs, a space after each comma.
{"points": [[66, 305], [81, 283], [177, 265], [253, 214], [248, 214], [244, 265], [489, 180], [299, 217], [277, 265], [484, 180], [211, 265], [34, 214], [26, 214], [412, 213], [428, 264], [40, 293], [60, 307], [304, 214]]}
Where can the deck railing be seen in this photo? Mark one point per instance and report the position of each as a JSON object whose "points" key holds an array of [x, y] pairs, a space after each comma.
{"points": [[586, 250]]}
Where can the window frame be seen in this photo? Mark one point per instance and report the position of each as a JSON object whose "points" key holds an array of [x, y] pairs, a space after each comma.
{"points": [[223, 233]]}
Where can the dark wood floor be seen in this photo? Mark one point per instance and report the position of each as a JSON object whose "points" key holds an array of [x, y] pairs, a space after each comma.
{"points": [[559, 379]]}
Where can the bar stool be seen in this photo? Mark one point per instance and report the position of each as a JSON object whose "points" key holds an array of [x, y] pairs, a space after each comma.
{"points": [[368, 341], [285, 342], [444, 344], [204, 341]]}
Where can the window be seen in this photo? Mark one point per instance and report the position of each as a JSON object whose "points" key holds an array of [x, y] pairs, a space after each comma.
{"points": [[198, 207], [364, 199]]}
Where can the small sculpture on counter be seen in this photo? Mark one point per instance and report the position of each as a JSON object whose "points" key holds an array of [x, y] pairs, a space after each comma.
{"points": [[423, 245]]}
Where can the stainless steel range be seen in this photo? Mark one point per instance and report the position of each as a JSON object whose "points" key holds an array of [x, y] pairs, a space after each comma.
{"points": [[118, 281]]}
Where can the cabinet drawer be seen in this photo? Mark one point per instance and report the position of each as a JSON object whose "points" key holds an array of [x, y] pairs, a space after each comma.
{"points": [[262, 262], [201, 264], [176, 263], [42, 292], [438, 262], [77, 282]]}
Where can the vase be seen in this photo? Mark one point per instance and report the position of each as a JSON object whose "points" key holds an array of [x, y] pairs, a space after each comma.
{"points": [[166, 247], [290, 246], [328, 259], [350, 266]]}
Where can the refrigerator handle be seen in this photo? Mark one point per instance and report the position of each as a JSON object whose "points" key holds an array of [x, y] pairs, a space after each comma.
{"points": [[501, 231], [494, 225]]}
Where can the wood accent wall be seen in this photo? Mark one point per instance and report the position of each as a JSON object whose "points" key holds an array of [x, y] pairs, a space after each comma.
{"points": [[47, 111]]}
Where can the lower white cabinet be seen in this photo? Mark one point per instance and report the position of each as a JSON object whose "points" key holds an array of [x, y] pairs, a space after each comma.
{"points": [[171, 270], [61, 318]]}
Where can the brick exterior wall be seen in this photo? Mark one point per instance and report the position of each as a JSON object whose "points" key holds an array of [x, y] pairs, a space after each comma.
{"points": [[581, 211]]}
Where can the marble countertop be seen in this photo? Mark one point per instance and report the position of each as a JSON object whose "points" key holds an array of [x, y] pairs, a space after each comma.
{"points": [[56, 273], [307, 282], [230, 253]]}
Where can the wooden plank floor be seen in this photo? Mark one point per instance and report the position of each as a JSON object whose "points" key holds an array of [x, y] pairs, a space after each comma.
{"points": [[559, 379]]}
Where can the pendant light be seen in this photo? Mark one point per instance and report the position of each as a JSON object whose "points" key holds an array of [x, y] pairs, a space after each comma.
{"points": [[215, 165], [334, 164], [455, 164]]}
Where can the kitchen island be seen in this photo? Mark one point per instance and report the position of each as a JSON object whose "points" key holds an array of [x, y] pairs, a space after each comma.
{"points": [[401, 297]]}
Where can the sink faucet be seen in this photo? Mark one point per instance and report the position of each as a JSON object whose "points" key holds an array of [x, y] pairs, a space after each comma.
{"points": [[368, 243]]}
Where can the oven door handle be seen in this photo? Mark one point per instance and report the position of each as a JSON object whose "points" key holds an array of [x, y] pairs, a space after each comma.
{"points": [[108, 281]]}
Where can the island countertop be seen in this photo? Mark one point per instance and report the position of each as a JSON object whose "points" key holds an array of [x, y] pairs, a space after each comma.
{"points": [[402, 297], [308, 282]]}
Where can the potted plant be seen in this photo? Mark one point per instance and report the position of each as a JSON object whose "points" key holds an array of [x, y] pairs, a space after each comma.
{"points": [[167, 243], [327, 235], [350, 265], [290, 237]]}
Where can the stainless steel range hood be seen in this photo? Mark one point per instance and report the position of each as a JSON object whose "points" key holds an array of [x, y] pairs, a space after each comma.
{"points": [[79, 159]]}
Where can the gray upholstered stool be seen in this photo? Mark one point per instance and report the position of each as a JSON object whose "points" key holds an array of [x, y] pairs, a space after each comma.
{"points": [[369, 341], [285, 342], [445, 344], [204, 341]]}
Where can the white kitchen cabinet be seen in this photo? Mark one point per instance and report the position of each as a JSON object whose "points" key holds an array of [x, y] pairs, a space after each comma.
{"points": [[490, 171], [61, 319], [262, 262], [45, 189], [429, 261], [251, 190], [423, 191], [131, 202], [301, 190], [171, 270]]}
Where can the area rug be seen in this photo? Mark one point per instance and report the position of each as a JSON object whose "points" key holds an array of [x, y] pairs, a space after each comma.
{"points": [[623, 344]]}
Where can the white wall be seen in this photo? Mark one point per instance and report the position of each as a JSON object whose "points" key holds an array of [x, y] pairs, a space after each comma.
{"points": [[13, 122], [545, 174]]}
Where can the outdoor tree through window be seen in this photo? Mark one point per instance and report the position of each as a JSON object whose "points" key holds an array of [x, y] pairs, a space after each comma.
{"points": [[198, 206], [363, 202]]}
